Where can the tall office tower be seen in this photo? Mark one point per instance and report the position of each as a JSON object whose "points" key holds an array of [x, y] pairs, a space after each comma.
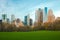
{"points": [[4, 17], [8, 21], [45, 14], [12, 18], [39, 17], [26, 20], [51, 17], [31, 22]]}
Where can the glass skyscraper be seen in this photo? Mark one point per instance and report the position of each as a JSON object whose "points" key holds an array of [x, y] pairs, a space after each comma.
{"points": [[27, 20], [4, 17], [45, 14]]}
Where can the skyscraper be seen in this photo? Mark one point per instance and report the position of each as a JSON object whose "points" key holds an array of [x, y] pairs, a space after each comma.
{"points": [[12, 18], [39, 16], [31, 22], [4, 17], [45, 15], [27, 20], [51, 17], [8, 21]]}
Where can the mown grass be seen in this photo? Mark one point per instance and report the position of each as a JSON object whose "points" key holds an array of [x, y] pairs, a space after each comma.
{"points": [[37, 35]]}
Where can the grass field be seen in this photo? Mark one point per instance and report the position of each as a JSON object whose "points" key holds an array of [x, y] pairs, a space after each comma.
{"points": [[38, 35]]}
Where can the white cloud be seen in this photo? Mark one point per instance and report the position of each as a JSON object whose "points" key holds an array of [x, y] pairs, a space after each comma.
{"points": [[57, 13]]}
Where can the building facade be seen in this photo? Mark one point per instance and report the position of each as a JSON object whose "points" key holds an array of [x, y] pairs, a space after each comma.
{"points": [[12, 18], [39, 16], [8, 21], [45, 15], [4, 17], [51, 17], [31, 22], [28, 21], [25, 20]]}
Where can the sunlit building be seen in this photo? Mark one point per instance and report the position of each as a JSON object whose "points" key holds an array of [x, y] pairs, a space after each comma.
{"points": [[38, 17], [51, 17], [12, 18], [58, 18], [28, 20], [19, 23]]}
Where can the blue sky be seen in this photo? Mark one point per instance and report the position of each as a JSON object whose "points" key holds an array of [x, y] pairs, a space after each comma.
{"points": [[21, 8]]}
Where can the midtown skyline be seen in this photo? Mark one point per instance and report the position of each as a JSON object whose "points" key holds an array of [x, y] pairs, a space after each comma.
{"points": [[21, 8]]}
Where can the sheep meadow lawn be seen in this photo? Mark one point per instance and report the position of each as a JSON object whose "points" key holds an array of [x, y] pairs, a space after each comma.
{"points": [[35, 35]]}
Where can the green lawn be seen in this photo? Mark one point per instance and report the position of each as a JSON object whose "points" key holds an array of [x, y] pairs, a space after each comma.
{"points": [[38, 35]]}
